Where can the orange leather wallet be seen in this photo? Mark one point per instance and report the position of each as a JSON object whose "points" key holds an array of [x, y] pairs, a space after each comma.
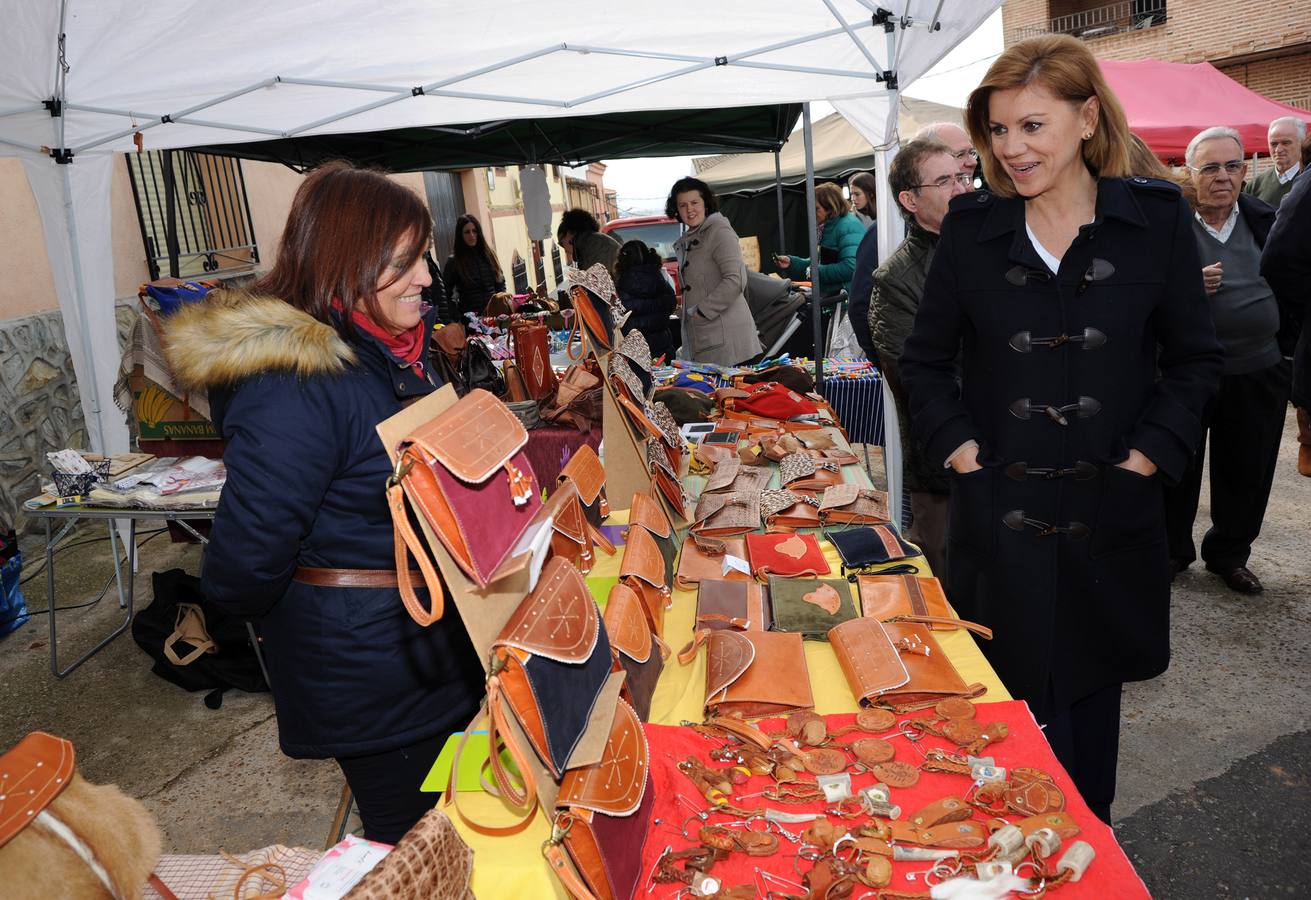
{"points": [[756, 673], [697, 563]]}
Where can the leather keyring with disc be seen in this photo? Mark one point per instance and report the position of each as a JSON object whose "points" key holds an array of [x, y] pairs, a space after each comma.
{"points": [[872, 751], [954, 708], [875, 720], [896, 774], [825, 762]]}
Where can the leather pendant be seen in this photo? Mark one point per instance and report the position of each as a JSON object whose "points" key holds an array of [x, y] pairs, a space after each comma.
{"points": [[826, 762], [878, 872], [948, 809], [896, 774], [807, 727], [1035, 798], [875, 720], [954, 708], [870, 752], [825, 598], [1060, 822], [962, 731]]}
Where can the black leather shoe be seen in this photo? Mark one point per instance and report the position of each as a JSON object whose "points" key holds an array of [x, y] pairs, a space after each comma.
{"points": [[1240, 579]]}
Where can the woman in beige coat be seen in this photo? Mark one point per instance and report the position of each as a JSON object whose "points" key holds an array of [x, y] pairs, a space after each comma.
{"points": [[717, 323]]}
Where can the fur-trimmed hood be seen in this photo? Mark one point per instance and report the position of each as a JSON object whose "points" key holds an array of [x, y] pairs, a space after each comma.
{"points": [[232, 335]]}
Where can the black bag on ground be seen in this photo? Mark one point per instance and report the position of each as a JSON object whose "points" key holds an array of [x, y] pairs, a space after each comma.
{"points": [[194, 645]]}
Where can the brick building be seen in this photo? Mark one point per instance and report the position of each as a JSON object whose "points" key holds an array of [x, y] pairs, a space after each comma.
{"points": [[1263, 44]]}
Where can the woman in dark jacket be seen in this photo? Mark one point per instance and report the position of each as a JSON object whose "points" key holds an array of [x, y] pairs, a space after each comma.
{"points": [[1055, 292], [645, 291], [331, 341], [473, 272]]}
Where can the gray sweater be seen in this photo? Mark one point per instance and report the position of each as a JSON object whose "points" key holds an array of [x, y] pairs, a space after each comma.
{"points": [[1244, 309]]}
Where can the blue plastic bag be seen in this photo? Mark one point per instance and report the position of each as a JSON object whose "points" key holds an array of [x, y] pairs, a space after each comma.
{"points": [[13, 609], [170, 299]]}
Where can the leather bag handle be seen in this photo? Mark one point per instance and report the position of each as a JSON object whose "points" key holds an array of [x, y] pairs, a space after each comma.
{"points": [[407, 543], [982, 631], [491, 709], [189, 627]]}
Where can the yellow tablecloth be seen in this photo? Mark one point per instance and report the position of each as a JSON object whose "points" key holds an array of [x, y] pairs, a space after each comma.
{"points": [[513, 866]]}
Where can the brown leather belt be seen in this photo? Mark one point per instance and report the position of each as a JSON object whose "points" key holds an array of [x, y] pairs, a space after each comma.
{"points": [[352, 578]]}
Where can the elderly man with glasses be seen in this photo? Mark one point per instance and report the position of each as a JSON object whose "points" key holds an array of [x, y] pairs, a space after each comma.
{"points": [[1246, 418], [1284, 139], [958, 145], [924, 176]]}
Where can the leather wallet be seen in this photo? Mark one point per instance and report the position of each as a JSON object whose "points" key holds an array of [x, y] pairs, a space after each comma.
{"points": [[643, 569], [756, 673], [932, 675], [639, 652], [868, 659], [785, 554], [800, 472], [871, 545], [887, 596], [810, 607], [743, 605], [732, 475], [726, 514], [850, 504], [697, 563], [585, 471], [789, 509], [646, 513]]}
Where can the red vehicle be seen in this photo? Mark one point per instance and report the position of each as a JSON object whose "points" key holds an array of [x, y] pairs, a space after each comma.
{"points": [[658, 233]]}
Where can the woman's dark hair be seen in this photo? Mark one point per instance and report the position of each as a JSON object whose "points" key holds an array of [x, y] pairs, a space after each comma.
{"points": [[349, 230], [870, 186], [576, 221], [682, 186], [634, 253], [465, 256]]}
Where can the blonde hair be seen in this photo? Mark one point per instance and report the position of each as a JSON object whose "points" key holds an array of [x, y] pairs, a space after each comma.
{"points": [[1065, 67], [829, 196]]}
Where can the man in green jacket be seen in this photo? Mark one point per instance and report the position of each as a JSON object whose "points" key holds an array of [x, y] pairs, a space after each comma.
{"points": [[924, 176], [1285, 141]]}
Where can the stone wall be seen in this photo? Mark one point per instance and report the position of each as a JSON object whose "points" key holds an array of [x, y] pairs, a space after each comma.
{"points": [[40, 407]]}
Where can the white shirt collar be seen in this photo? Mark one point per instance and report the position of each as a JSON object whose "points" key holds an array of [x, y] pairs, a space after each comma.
{"points": [[1287, 175], [1221, 235]]}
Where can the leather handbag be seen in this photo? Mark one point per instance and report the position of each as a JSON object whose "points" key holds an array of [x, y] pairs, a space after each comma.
{"points": [[756, 673], [930, 675], [788, 510], [646, 513], [727, 514], [889, 596], [431, 860], [532, 354], [800, 472], [789, 555], [732, 475], [744, 605], [873, 545], [585, 471], [810, 607], [577, 400], [594, 321], [768, 400], [467, 474], [664, 476], [629, 381], [516, 391], [850, 504], [868, 660], [572, 536], [641, 654], [643, 570], [603, 814], [697, 563]]}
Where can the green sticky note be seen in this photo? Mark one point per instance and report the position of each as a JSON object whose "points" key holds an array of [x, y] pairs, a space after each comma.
{"points": [[471, 763]]}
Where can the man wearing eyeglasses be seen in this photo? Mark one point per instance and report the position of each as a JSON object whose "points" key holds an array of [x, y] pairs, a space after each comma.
{"points": [[958, 144], [1284, 139], [924, 176], [1246, 417]]}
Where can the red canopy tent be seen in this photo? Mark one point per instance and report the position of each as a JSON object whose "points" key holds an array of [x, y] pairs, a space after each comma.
{"points": [[1168, 103]]}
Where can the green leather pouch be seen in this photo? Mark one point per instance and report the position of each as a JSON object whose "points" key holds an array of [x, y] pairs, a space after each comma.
{"points": [[810, 606]]}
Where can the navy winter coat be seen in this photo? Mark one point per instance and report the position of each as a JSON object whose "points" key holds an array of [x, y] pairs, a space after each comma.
{"points": [[1286, 267], [644, 290], [351, 672], [1061, 552]]}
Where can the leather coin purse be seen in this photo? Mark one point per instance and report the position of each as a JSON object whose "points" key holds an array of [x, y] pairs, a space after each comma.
{"points": [[871, 545], [756, 673], [810, 607], [850, 504], [697, 563], [785, 554], [800, 472]]}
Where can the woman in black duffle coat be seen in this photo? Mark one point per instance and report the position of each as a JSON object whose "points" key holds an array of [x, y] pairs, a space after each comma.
{"points": [[1032, 371]]}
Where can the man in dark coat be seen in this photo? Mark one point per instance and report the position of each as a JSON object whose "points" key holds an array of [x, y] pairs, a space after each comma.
{"points": [[1245, 419], [1286, 266], [923, 178], [580, 235]]}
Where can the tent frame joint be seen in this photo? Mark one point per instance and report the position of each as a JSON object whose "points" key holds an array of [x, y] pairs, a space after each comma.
{"points": [[61, 155], [721, 60], [55, 106], [417, 91], [888, 77], [885, 17]]}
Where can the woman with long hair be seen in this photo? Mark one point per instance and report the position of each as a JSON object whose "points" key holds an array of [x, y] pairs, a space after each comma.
{"points": [[839, 238], [1032, 370], [864, 193], [472, 272], [331, 341]]}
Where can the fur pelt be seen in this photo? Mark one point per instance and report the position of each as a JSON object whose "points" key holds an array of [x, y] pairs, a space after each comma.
{"points": [[36, 864], [232, 335]]}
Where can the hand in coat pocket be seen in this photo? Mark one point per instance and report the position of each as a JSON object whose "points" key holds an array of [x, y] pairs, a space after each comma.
{"points": [[1138, 463]]}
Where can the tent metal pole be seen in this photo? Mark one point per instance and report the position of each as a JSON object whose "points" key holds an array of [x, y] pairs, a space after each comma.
{"points": [[21, 146], [778, 195], [159, 120], [90, 391], [816, 314], [869, 57]]}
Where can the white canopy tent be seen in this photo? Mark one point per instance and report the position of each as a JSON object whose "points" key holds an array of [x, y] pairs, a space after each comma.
{"points": [[83, 80]]}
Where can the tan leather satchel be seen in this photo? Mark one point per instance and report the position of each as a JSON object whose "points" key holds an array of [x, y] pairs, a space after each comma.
{"points": [[850, 504], [914, 675], [756, 673]]}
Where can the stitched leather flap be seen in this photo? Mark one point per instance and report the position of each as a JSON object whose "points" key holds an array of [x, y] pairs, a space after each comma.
{"points": [[614, 785], [558, 620], [647, 512], [34, 771], [696, 565], [569, 519], [625, 622], [722, 478], [885, 596], [585, 471], [474, 437], [868, 658], [622, 373], [728, 655], [656, 458], [642, 558], [931, 671], [839, 495], [736, 512], [794, 467], [635, 349]]}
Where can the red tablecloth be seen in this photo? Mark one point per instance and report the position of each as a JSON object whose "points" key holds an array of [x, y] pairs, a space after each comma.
{"points": [[550, 446], [1110, 875]]}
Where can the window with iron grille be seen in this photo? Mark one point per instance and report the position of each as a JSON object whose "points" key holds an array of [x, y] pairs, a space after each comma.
{"points": [[194, 216]]}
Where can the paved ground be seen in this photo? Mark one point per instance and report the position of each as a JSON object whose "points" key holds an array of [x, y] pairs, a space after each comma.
{"points": [[1213, 802]]}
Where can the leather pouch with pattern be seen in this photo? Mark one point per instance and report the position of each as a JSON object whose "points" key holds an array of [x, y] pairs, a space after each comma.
{"points": [[888, 596], [743, 605], [732, 475], [697, 563], [784, 509], [664, 476], [603, 812], [467, 474], [727, 514], [868, 659], [641, 654], [756, 673], [800, 472], [594, 319], [629, 381], [643, 570], [810, 607], [871, 545], [851, 504], [588, 476], [790, 555]]}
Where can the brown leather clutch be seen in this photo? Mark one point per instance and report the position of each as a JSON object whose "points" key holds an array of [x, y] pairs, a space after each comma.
{"points": [[868, 659], [732, 604], [731, 513], [850, 504], [800, 472], [919, 676], [887, 596], [789, 510], [756, 673], [697, 563]]}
